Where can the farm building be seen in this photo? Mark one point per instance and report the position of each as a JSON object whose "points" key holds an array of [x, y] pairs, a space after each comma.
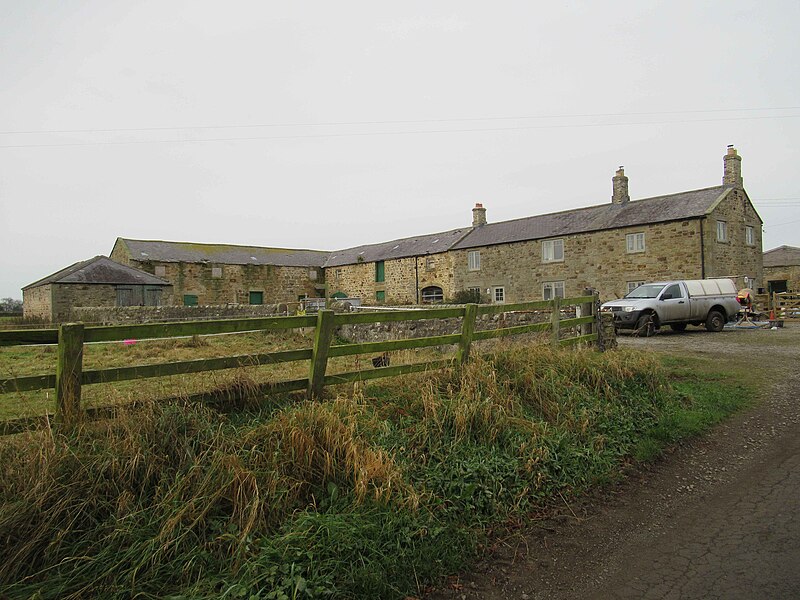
{"points": [[782, 269], [98, 281], [225, 273], [613, 247]]}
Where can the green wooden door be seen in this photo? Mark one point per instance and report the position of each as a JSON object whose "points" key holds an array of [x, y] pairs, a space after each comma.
{"points": [[190, 300], [380, 296], [380, 271], [256, 297]]}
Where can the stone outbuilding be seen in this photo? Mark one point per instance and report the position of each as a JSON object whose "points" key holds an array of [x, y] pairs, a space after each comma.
{"points": [[782, 269], [98, 281], [218, 274]]}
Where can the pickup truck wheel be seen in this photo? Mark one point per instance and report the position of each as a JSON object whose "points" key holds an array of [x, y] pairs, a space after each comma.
{"points": [[715, 321], [645, 326], [678, 327]]}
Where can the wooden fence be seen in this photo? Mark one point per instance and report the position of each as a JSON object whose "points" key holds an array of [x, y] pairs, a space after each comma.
{"points": [[785, 305], [70, 376]]}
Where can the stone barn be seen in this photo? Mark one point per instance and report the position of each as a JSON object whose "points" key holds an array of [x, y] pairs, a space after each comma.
{"points": [[98, 281], [782, 269]]}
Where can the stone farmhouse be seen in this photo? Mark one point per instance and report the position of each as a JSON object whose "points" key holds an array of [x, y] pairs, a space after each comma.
{"points": [[710, 232], [98, 281], [612, 247], [782, 269]]}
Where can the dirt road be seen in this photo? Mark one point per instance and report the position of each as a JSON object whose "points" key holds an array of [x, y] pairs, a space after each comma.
{"points": [[718, 518]]}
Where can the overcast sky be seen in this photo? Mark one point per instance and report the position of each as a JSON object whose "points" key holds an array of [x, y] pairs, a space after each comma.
{"points": [[331, 124]]}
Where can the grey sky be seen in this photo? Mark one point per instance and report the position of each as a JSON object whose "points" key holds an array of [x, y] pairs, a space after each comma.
{"points": [[333, 124]]}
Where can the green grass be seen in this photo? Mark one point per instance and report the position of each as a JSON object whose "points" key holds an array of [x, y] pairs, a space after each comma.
{"points": [[375, 493]]}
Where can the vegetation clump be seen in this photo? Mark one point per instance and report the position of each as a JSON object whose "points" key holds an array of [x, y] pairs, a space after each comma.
{"points": [[371, 495]]}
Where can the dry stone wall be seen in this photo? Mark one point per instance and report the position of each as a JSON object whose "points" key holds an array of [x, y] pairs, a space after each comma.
{"points": [[120, 315]]}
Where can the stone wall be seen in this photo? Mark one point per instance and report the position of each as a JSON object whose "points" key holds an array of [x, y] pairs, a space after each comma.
{"points": [[235, 282], [37, 302], [68, 296], [734, 257], [599, 260], [376, 332], [114, 315], [402, 278]]}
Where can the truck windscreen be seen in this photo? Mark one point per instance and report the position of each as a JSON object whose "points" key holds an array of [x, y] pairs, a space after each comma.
{"points": [[648, 290]]}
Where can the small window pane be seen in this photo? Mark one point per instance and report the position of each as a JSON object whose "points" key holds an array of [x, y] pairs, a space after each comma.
{"points": [[749, 238], [499, 295], [474, 260], [634, 242], [552, 250], [722, 231]]}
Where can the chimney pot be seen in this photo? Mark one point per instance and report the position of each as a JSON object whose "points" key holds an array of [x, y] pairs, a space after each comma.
{"points": [[478, 215]]}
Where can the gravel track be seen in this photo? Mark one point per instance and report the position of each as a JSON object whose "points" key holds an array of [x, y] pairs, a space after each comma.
{"points": [[719, 517]]}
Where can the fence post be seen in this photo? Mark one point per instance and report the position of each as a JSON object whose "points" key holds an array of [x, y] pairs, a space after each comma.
{"points": [[319, 356], [467, 329], [555, 317], [69, 370]]}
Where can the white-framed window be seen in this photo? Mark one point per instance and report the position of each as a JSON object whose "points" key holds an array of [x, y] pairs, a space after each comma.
{"points": [[499, 295], [552, 289], [161, 271], [552, 250], [634, 242], [722, 231], [749, 236], [337, 274], [216, 272], [474, 260], [632, 285]]}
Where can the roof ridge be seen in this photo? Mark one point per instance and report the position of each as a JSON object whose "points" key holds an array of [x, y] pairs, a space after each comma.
{"points": [[225, 244]]}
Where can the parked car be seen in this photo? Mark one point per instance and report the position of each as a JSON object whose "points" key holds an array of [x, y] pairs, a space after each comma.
{"points": [[709, 302]]}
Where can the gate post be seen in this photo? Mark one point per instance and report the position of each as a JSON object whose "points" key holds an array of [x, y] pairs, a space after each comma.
{"points": [[555, 324]]}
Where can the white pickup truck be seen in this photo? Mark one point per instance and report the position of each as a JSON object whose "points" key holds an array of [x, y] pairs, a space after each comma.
{"points": [[676, 303]]}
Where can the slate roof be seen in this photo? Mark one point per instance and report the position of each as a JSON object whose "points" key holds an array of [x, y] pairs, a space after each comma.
{"points": [[782, 256], [229, 254], [413, 246], [658, 209], [100, 270]]}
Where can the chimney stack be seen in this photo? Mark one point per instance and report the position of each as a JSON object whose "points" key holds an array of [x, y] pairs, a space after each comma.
{"points": [[732, 175], [620, 195], [478, 215]]}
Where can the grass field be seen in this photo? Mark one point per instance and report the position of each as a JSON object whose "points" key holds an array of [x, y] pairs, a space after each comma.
{"points": [[373, 493]]}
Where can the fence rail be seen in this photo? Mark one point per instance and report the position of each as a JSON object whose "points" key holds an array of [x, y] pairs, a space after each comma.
{"points": [[71, 337]]}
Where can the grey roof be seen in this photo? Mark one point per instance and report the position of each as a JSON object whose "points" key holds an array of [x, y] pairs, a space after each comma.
{"points": [[658, 209], [413, 246], [782, 256], [100, 270], [229, 254]]}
